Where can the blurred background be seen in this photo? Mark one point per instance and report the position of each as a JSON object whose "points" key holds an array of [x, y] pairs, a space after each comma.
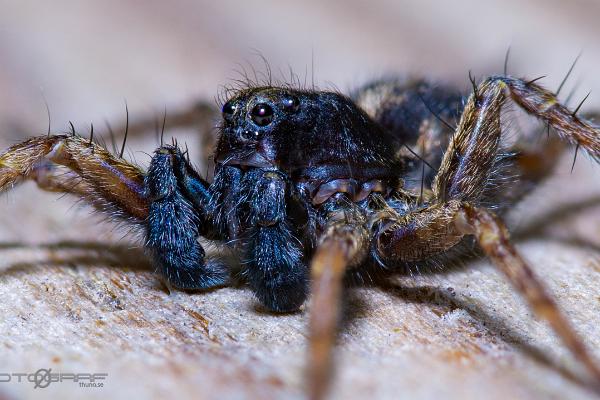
{"points": [[85, 59], [88, 58]]}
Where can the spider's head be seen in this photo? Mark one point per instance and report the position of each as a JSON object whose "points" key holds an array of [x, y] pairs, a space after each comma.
{"points": [[294, 129]]}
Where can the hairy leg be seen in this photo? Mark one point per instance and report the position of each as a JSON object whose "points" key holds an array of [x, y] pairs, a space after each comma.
{"points": [[169, 201], [55, 178], [473, 150], [458, 188], [422, 114], [494, 240], [177, 216], [344, 243], [102, 179]]}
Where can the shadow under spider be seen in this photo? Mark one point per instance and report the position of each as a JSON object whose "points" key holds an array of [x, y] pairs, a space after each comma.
{"points": [[116, 255], [97, 255], [498, 327]]}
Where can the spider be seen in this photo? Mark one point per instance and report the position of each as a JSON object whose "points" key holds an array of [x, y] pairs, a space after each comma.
{"points": [[316, 190]]}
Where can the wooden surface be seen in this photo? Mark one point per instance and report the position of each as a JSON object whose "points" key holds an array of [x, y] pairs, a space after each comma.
{"points": [[79, 296]]}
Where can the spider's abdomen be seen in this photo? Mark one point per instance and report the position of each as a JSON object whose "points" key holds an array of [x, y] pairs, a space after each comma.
{"points": [[416, 114]]}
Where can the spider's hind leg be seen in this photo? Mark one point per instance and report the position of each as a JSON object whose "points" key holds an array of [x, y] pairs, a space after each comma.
{"points": [[459, 190], [177, 216], [493, 237]]}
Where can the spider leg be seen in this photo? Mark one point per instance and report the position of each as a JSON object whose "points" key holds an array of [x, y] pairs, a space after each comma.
{"points": [[344, 243], [421, 115], [108, 182], [52, 177], [473, 150], [460, 184], [170, 201], [544, 104], [493, 237], [428, 232], [177, 216]]}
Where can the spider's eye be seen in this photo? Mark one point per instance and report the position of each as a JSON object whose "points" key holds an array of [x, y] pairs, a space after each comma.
{"points": [[291, 103], [262, 114], [228, 110]]}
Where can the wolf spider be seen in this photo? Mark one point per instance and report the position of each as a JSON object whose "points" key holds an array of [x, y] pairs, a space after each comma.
{"points": [[314, 188]]}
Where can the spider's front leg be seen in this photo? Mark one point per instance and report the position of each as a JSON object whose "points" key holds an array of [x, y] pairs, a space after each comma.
{"points": [[169, 201], [72, 164], [460, 185], [178, 215], [343, 243]]}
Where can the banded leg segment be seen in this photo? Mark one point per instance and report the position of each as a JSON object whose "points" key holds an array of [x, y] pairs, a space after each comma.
{"points": [[458, 188], [344, 243], [493, 237], [457, 219], [176, 219], [543, 104], [473, 150], [108, 182]]}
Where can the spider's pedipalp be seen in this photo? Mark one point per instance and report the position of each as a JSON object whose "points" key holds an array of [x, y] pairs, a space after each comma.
{"points": [[108, 182], [275, 266], [178, 200]]}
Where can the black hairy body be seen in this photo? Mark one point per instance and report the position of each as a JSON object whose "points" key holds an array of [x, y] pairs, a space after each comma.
{"points": [[314, 188], [276, 185]]}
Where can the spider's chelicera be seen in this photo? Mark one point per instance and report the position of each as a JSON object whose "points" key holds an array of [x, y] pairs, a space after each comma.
{"points": [[314, 186]]}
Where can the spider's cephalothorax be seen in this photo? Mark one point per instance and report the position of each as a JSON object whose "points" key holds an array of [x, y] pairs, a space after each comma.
{"points": [[300, 131], [285, 160], [316, 186]]}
